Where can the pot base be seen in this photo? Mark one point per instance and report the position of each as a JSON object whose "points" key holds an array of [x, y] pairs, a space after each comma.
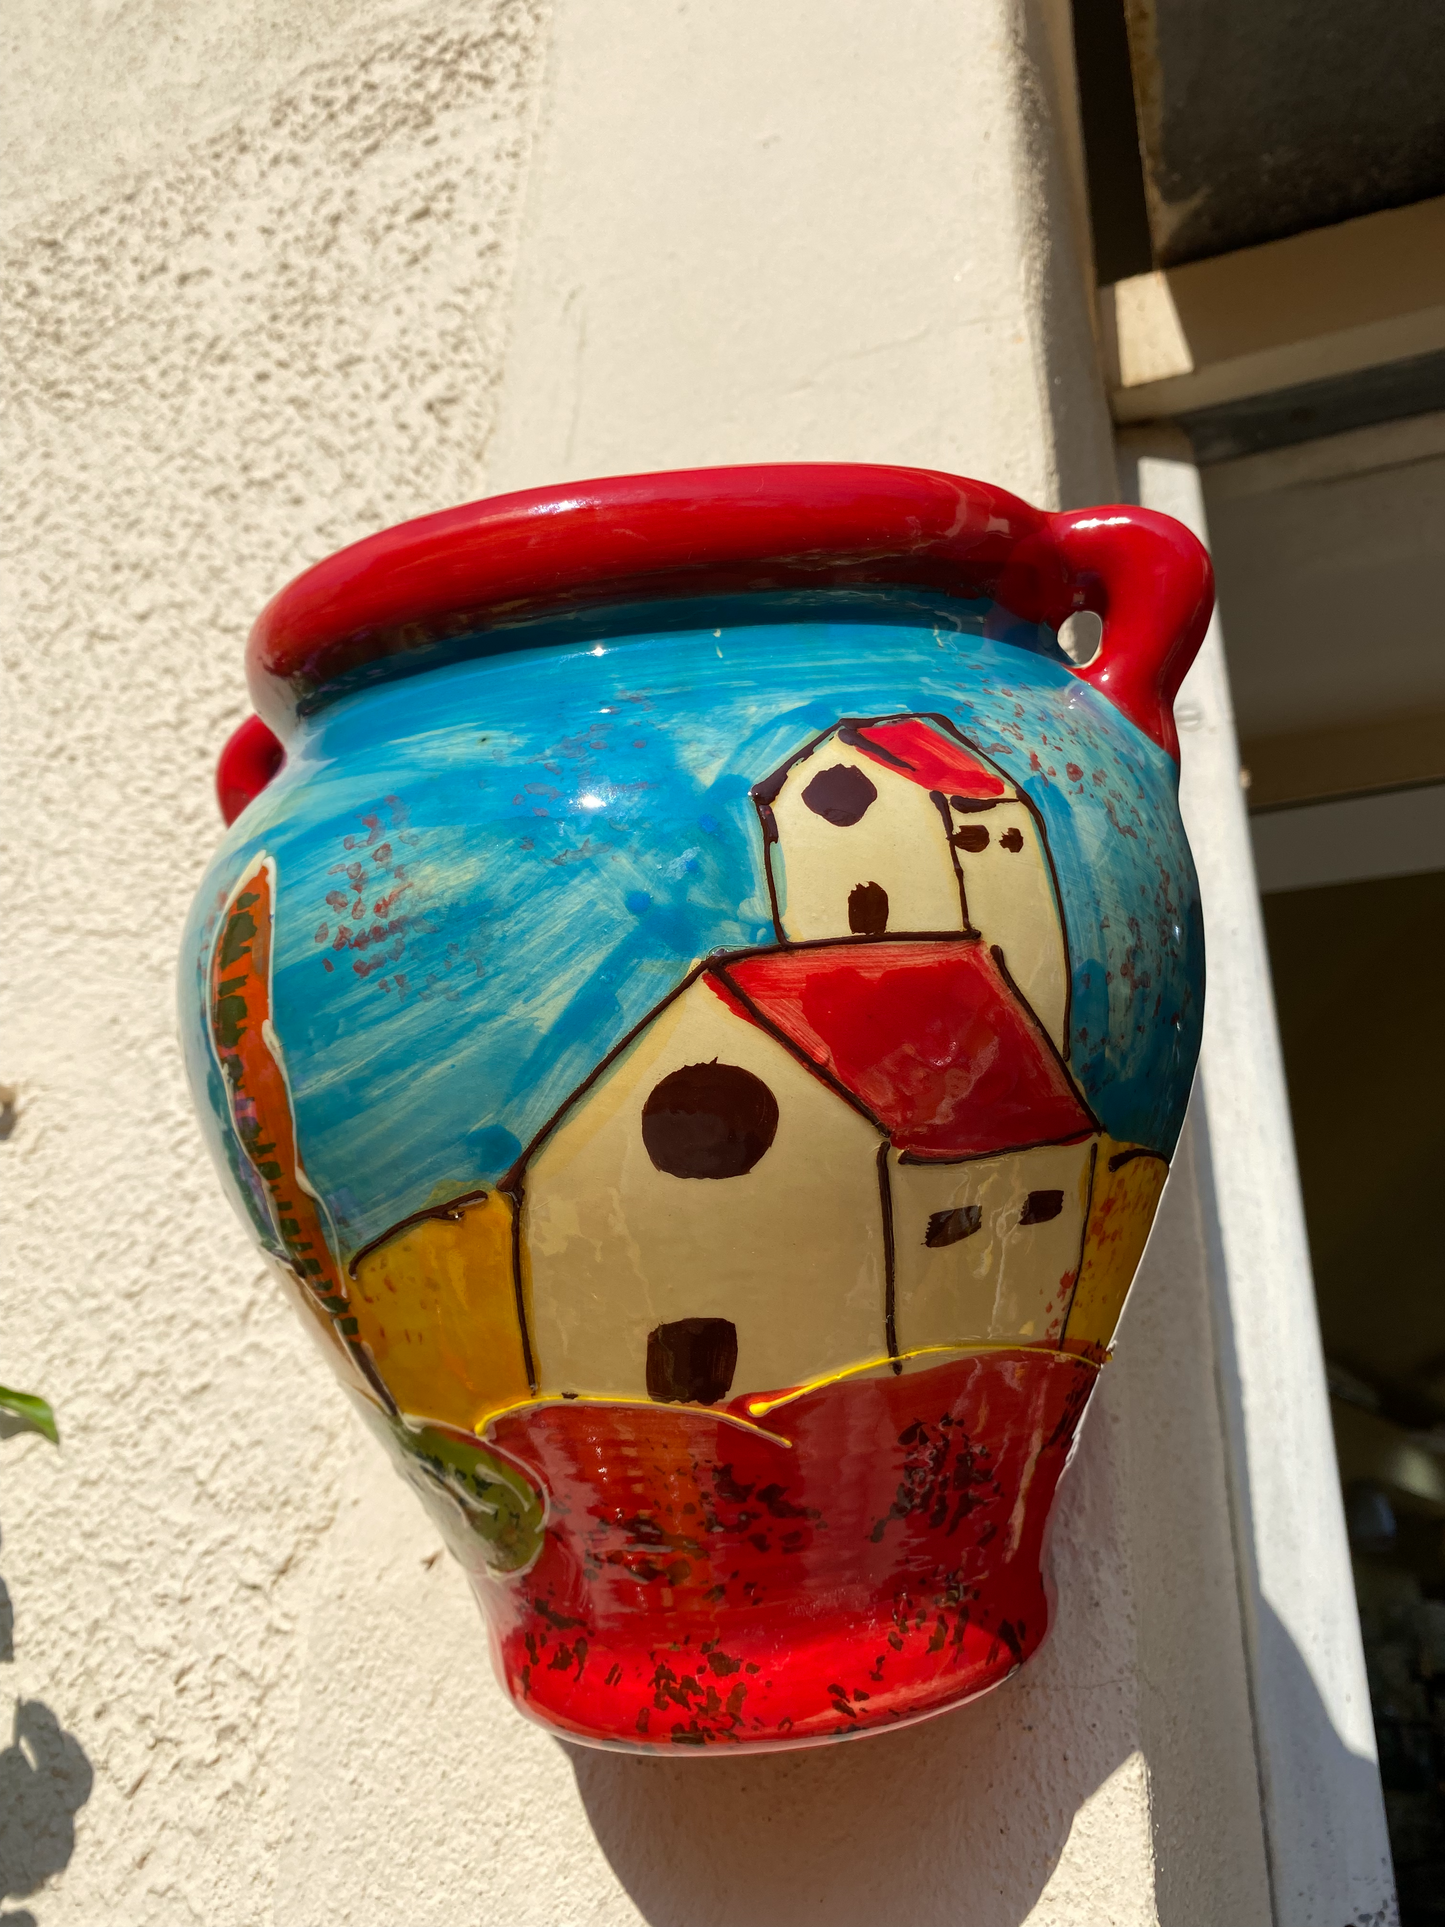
{"points": [[865, 1563]]}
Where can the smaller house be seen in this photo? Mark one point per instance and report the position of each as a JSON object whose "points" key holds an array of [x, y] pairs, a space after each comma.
{"points": [[897, 825]]}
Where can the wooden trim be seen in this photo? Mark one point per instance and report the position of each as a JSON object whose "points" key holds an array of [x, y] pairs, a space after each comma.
{"points": [[1326, 303], [1328, 458], [1352, 759]]}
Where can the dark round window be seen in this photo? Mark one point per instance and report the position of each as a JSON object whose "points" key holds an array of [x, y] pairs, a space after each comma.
{"points": [[840, 795], [709, 1121]]}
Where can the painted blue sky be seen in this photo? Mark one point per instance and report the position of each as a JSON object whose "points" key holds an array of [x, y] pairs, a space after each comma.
{"points": [[488, 873]]}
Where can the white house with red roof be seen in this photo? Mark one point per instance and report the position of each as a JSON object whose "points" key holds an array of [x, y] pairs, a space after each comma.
{"points": [[899, 824], [874, 1144]]}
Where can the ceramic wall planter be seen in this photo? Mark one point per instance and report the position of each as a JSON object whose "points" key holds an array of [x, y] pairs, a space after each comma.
{"points": [[699, 1020]]}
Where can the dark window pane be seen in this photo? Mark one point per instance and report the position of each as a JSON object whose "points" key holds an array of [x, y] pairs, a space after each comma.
{"points": [[1040, 1206], [947, 1227]]}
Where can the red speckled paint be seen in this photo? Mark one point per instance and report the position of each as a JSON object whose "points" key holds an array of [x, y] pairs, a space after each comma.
{"points": [[703, 1583]]}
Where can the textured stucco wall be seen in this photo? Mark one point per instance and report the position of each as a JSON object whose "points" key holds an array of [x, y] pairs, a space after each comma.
{"points": [[277, 277]]}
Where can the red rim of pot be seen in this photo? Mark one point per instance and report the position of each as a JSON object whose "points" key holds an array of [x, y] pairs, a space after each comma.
{"points": [[785, 527]]}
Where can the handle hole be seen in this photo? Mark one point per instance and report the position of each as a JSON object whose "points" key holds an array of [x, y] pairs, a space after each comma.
{"points": [[1081, 636]]}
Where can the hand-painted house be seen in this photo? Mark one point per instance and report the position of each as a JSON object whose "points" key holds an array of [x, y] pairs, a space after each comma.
{"points": [[875, 1143], [899, 824], [870, 1129]]}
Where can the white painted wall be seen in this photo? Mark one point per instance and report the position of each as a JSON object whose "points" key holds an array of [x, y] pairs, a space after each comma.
{"points": [[280, 276]]}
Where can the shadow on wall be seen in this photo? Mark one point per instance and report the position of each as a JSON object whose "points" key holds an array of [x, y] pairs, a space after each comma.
{"points": [[45, 1779], [1316, 1776], [874, 1829], [869, 1830], [1337, 1773]]}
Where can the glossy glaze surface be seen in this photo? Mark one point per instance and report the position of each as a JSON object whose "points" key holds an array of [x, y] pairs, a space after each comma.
{"points": [[708, 1078]]}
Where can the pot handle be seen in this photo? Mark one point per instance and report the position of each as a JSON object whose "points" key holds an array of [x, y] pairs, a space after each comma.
{"points": [[252, 756], [1151, 581]]}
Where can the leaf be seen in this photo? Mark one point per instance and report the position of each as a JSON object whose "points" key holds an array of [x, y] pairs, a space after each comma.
{"points": [[33, 1413]]}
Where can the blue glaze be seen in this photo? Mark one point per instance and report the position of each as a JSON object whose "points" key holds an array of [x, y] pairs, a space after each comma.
{"points": [[489, 872]]}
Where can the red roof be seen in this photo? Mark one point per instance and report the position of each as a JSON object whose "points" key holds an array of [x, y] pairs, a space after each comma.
{"points": [[925, 755], [927, 1036]]}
